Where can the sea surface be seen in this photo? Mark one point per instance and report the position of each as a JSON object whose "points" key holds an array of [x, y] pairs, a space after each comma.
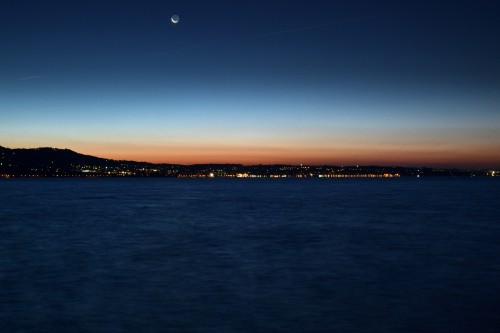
{"points": [[254, 255]]}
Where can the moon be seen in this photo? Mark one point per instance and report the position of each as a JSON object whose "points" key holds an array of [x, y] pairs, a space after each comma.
{"points": [[174, 19]]}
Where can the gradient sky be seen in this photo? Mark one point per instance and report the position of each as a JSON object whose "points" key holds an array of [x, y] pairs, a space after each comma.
{"points": [[315, 82]]}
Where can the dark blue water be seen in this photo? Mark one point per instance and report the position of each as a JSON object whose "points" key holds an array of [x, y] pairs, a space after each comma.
{"points": [[169, 255]]}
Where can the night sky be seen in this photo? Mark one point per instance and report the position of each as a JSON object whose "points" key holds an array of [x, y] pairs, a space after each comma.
{"points": [[315, 82]]}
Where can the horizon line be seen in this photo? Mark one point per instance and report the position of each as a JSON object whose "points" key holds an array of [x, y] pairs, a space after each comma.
{"points": [[263, 164]]}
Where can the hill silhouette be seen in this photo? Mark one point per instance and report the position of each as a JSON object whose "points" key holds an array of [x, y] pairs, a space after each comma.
{"points": [[48, 160]]}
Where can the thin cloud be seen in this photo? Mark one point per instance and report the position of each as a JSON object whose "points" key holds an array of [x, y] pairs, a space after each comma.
{"points": [[281, 32], [33, 77], [315, 26]]}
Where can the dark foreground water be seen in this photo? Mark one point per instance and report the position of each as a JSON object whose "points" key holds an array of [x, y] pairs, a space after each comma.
{"points": [[168, 255]]}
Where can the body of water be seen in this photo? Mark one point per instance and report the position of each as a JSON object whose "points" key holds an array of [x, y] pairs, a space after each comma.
{"points": [[256, 255]]}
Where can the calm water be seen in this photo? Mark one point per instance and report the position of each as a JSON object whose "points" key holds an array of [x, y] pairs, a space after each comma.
{"points": [[159, 255]]}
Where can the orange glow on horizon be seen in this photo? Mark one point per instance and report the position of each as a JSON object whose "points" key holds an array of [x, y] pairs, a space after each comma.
{"points": [[432, 153], [472, 157]]}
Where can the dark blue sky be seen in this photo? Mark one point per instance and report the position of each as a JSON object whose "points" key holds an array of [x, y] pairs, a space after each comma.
{"points": [[403, 82]]}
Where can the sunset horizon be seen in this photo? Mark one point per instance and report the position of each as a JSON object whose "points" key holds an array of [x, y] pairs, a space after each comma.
{"points": [[256, 157]]}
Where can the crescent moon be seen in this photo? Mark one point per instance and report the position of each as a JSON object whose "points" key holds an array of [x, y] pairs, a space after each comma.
{"points": [[174, 19]]}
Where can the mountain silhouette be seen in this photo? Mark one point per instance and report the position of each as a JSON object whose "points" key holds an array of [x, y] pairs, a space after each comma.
{"points": [[49, 160]]}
